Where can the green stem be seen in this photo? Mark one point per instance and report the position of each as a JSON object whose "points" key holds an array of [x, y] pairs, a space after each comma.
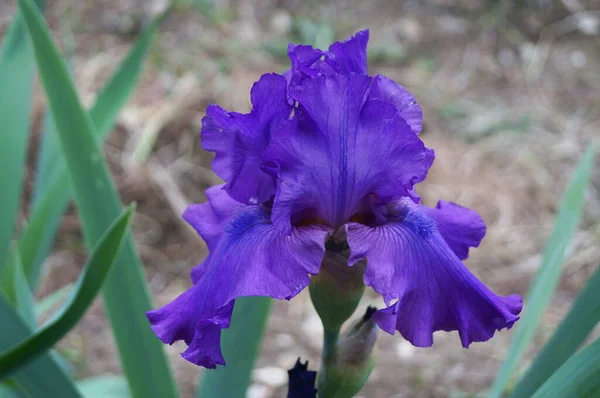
{"points": [[330, 339], [335, 293], [328, 357]]}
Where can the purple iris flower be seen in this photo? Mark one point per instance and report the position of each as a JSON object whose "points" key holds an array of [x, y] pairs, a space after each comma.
{"points": [[328, 153]]}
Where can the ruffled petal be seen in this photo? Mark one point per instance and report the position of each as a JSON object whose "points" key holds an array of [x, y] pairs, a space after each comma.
{"points": [[340, 146], [210, 218], [191, 318], [460, 226], [304, 58], [252, 258], [347, 57], [408, 260], [389, 91], [238, 139], [205, 347], [351, 55]]}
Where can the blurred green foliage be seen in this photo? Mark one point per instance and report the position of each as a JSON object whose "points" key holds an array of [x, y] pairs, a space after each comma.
{"points": [[70, 163]]}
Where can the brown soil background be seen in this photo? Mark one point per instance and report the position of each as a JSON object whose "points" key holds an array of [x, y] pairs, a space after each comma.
{"points": [[510, 93]]}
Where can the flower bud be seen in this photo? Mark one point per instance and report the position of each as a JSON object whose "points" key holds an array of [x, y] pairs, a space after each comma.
{"points": [[336, 290], [357, 343], [344, 374], [301, 381]]}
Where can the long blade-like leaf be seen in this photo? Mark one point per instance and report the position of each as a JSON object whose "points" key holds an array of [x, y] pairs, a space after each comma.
{"points": [[8, 391], [578, 377], [45, 304], [16, 289], [51, 166], [25, 303], [570, 334], [125, 294], [52, 190], [47, 211], [240, 344], [49, 160], [86, 289], [115, 93], [43, 377], [16, 82], [104, 387], [569, 213]]}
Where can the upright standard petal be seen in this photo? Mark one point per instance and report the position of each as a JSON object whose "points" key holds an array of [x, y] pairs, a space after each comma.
{"points": [[388, 90], [238, 139], [306, 62], [347, 57], [409, 261], [351, 55], [305, 59], [460, 226], [340, 146], [252, 258]]}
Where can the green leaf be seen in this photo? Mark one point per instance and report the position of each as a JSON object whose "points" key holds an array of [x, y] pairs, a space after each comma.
{"points": [[104, 387], [7, 392], [16, 80], [35, 235], [51, 166], [48, 302], [240, 344], [43, 377], [16, 289], [569, 213], [126, 296], [23, 298], [115, 93], [10, 389], [86, 289], [578, 377], [51, 179], [49, 160], [583, 316]]}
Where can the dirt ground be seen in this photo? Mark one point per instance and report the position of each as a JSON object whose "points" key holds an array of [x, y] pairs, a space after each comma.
{"points": [[510, 93]]}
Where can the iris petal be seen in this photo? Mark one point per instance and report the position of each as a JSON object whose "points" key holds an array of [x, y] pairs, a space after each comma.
{"points": [[191, 318], [351, 55], [388, 90], [460, 227], [408, 260], [306, 59], [340, 146], [252, 258], [347, 57], [238, 139], [209, 218]]}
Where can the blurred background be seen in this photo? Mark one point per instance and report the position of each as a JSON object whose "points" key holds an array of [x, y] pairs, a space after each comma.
{"points": [[510, 96]]}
